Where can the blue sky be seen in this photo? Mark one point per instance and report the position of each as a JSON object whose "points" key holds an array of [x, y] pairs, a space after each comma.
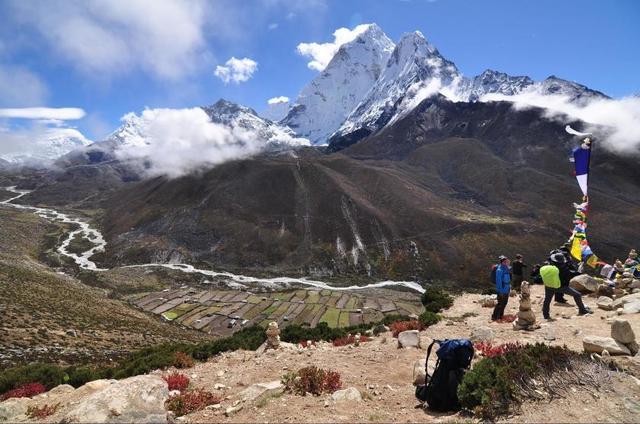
{"points": [[124, 55]]}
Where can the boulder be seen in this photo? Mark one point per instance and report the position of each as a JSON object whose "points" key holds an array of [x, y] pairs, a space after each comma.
{"points": [[605, 303], [622, 332], [481, 334], [260, 390], [351, 394], [584, 283], [631, 307], [14, 409], [137, 399], [596, 344], [635, 284], [623, 300], [409, 338]]}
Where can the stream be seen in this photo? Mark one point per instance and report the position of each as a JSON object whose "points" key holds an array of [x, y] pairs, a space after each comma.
{"points": [[83, 260]]}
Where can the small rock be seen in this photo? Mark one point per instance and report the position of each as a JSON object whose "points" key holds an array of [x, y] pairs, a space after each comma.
{"points": [[350, 394], [597, 344], [481, 334], [622, 332], [605, 303], [631, 307], [259, 390], [219, 386], [409, 338], [232, 410]]}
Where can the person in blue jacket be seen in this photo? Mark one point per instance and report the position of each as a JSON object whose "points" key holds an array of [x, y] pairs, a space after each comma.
{"points": [[503, 287]]}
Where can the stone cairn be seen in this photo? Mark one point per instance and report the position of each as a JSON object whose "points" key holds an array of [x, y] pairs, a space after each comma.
{"points": [[526, 318], [273, 336]]}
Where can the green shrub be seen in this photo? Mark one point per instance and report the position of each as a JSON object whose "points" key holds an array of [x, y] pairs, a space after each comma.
{"points": [[435, 300], [428, 318], [492, 387], [140, 362]]}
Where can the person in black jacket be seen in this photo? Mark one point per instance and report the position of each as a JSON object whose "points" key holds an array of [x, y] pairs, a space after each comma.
{"points": [[517, 268]]}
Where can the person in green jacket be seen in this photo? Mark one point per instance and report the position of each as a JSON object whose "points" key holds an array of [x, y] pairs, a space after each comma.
{"points": [[551, 278]]}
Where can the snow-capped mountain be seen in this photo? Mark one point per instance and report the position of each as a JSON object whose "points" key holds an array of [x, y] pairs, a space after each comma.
{"points": [[47, 145], [408, 77], [327, 100], [492, 82], [277, 109], [576, 93], [236, 116]]}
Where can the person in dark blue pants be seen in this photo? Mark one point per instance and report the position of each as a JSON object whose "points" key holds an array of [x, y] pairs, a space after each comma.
{"points": [[503, 287]]}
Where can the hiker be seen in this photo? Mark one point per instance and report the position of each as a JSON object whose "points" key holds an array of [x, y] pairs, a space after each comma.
{"points": [[535, 273], [632, 260], [518, 267], [567, 272], [552, 284], [503, 287]]}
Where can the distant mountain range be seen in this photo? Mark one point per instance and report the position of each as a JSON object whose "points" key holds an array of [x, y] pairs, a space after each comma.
{"points": [[369, 83]]}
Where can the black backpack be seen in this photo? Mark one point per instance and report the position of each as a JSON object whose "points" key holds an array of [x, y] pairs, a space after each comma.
{"points": [[492, 276], [440, 390]]}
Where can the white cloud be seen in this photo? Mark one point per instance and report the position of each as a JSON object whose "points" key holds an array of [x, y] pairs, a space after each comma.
{"points": [[621, 116], [236, 70], [54, 115], [276, 100], [177, 142], [273, 25], [20, 87], [104, 37], [321, 54]]}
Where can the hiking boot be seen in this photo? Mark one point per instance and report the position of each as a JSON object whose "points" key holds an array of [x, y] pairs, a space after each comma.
{"points": [[562, 301], [549, 319], [586, 311]]}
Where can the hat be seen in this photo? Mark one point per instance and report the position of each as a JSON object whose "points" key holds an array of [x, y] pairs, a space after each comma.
{"points": [[558, 258], [502, 258], [518, 256]]}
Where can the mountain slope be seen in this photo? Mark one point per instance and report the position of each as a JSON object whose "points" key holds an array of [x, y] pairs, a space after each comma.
{"points": [[437, 194], [327, 100]]}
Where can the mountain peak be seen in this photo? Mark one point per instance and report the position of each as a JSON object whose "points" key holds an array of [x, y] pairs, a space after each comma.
{"points": [[224, 106], [326, 101]]}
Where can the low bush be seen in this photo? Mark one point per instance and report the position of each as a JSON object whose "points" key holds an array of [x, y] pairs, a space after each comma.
{"points": [[182, 360], [489, 350], [26, 390], [428, 318], [435, 300], [176, 381], [312, 380], [349, 339], [140, 362], [191, 401], [41, 412], [400, 326], [497, 384]]}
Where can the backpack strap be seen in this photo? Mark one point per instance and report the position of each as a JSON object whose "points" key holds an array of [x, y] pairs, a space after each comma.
{"points": [[426, 363]]}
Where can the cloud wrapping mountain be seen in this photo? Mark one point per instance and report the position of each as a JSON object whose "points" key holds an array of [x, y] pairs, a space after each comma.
{"points": [[621, 117]]}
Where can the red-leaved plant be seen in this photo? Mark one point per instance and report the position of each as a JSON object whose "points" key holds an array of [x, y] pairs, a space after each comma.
{"points": [[490, 351], [400, 326], [41, 412], [176, 381], [350, 339], [312, 380], [26, 390], [191, 401]]}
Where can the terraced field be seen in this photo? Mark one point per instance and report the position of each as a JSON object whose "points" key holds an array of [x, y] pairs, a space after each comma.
{"points": [[221, 312]]}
